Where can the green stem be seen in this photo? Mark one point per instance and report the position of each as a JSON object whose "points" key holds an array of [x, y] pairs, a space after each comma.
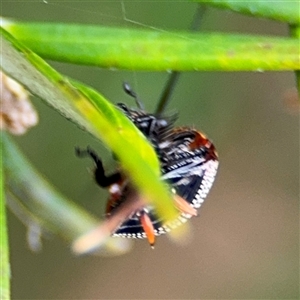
{"points": [[133, 49], [4, 248], [295, 32]]}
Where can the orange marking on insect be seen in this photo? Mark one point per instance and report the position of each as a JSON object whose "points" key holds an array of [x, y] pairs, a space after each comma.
{"points": [[148, 228], [201, 140]]}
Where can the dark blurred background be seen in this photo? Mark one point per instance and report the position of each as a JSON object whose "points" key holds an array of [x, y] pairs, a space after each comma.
{"points": [[245, 242]]}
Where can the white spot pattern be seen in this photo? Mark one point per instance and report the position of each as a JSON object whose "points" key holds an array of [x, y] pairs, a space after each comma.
{"points": [[211, 168]]}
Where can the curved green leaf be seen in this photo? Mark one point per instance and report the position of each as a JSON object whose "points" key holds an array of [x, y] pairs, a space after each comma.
{"points": [[160, 51], [136, 155], [286, 11], [50, 209]]}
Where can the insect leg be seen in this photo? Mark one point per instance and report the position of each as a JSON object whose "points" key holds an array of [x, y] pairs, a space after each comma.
{"points": [[99, 173]]}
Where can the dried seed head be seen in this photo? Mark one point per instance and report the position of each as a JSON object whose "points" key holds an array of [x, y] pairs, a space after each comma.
{"points": [[16, 111]]}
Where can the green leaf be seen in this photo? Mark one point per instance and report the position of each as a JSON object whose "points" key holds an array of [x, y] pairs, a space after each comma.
{"points": [[4, 249], [133, 49], [49, 208], [295, 32], [285, 11], [90, 110]]}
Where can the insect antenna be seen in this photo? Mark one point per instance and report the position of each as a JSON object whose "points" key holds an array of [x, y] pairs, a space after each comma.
{"points": [[128, 90]]}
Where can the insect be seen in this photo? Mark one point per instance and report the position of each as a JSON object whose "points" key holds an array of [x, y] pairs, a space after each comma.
{"points": [[189, 164]]}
